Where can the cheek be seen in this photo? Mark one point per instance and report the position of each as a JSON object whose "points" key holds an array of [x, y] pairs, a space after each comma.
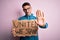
{"points": [[30, 10]]}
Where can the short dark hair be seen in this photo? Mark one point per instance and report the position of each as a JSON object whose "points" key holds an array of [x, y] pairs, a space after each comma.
{"points": [[26, 3]]}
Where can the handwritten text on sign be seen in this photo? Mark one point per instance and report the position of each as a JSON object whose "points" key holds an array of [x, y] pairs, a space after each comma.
{"points": [[25, 27]]}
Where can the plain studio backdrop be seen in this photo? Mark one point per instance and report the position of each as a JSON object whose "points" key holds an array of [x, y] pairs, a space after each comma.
{"points": [[11, 10]]}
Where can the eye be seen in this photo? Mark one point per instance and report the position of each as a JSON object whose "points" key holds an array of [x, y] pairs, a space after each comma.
{"points": [[24, 9], [27, 8]]}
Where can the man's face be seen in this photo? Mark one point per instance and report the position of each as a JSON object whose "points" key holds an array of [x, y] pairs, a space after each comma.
{"points": [[27, 9]]}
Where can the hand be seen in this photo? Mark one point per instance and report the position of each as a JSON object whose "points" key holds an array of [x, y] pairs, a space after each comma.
{"points": [[40, 18], [13, 32]]}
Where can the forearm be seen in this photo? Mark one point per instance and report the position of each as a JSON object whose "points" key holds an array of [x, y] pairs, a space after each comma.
{"points": [[45, 26]]}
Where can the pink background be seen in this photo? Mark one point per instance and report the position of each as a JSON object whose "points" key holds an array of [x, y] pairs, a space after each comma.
{"points": [[11, 9]]}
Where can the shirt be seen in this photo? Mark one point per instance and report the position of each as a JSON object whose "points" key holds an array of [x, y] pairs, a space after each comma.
{"points": [[30, 17]]}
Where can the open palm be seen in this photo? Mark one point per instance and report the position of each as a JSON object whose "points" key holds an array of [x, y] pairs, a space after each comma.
{"points": [[40, 18]]}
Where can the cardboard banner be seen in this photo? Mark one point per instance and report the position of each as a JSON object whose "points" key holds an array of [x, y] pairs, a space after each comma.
{"points": [[25, 27]]}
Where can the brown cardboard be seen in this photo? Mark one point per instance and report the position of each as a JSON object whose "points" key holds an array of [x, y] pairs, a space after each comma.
{"points": [[25, 27]]}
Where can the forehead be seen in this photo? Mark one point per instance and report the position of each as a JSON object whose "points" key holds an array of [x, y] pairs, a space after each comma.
{"points": [[27, 6]]}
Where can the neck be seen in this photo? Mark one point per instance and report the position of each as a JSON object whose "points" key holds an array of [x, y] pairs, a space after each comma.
{"points": [[28, 14]]}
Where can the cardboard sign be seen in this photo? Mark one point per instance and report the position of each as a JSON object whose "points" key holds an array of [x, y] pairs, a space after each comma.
{"points": [[25, 27]]}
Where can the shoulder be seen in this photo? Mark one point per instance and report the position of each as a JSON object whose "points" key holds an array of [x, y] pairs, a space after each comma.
{"points": [[33, 17], [20, 18]]}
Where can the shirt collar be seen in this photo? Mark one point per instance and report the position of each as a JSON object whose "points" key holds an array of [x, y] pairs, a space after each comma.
{"points": [[29, 15]]}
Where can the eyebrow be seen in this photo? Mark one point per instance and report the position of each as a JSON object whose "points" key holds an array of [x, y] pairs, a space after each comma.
{"points": [[27, 8]]}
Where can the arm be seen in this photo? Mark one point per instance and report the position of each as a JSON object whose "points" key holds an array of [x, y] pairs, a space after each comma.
{"points": [[45, 26], [41, 20]]}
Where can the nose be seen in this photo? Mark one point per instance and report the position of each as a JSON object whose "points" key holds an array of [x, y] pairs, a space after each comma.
{"points": [[26, 10]]}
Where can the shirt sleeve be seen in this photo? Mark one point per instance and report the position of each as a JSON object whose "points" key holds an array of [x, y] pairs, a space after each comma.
{"points": [[46, 25]]}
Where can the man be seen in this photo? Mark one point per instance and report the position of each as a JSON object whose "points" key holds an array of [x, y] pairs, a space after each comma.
{"points": [[29, 16]]}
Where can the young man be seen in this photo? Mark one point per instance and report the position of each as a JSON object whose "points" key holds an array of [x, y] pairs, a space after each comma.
{"points": [[29, 16]]}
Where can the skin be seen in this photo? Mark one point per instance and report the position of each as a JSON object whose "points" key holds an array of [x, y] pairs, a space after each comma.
{"points": [[39, 14], [27, 9]]}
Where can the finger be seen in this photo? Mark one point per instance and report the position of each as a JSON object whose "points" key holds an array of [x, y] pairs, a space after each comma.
{"points": [[38, 13], [36, 22], [42, 14]]}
